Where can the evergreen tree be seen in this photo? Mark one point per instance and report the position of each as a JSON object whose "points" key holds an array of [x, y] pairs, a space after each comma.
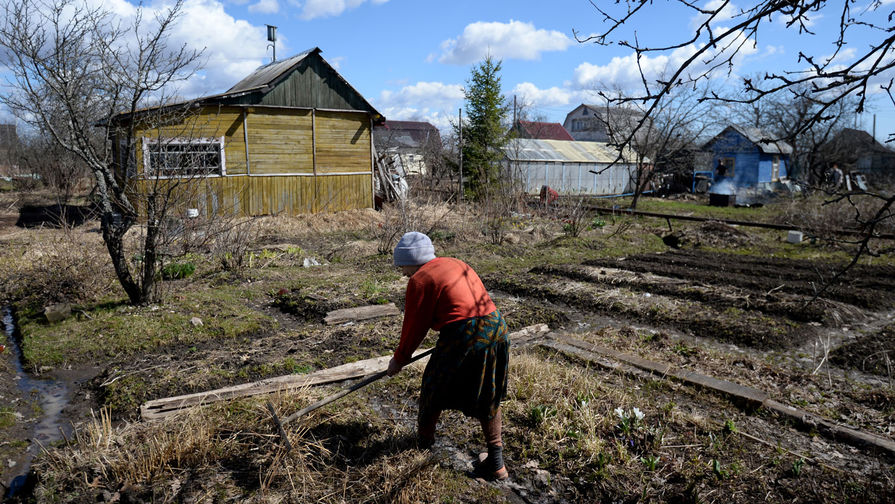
{"points": [[483, 133]]}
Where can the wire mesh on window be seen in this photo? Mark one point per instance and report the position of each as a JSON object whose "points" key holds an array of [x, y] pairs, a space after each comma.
{"points": [[183, 159]]}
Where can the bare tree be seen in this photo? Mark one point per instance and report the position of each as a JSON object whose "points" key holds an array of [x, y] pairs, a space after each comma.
{"points": [[60, 171], [723, 31], [666, 142], [714, 47], [783, 115], [74, 66]]}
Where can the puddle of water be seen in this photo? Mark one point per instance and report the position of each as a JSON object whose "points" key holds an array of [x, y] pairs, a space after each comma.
{"points": [[51, 395]]}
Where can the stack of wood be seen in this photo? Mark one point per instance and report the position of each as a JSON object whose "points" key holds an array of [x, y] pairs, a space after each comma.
{"points": [[387, 181]]}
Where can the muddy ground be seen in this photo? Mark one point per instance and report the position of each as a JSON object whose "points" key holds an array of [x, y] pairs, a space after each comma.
{"points": [[773, 323]]}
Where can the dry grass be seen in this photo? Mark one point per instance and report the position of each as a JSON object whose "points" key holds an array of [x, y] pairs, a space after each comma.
{"points": [[46, 266], [821, 215], [285, 226], [232, 450], [570, 412]]}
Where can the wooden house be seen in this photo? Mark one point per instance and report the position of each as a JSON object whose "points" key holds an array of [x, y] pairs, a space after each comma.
{"points": [[853, 149], [750, 157], [293, 137]]}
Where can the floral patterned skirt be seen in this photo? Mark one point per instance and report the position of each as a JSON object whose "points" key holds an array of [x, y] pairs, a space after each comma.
{"points": [[468, 369]]}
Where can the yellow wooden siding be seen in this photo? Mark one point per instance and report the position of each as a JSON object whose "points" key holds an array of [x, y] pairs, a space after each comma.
{"points": [[343, 142], [208, 123], [280, 141], [280, 144], [268, 195]]}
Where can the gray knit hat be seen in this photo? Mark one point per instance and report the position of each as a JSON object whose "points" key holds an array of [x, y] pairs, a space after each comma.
{"points": [[414, 249]]}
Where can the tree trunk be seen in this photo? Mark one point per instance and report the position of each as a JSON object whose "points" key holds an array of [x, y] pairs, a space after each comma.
{"points": [[638, 187], [114, 227], [150, 249]]}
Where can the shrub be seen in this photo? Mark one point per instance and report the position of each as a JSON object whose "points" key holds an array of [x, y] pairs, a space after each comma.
{"points": [[53, 267], [177, 270]]}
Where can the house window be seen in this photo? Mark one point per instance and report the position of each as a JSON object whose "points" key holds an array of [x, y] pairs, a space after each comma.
{"points": [[730, 164], [775, 169], [179, 157]]}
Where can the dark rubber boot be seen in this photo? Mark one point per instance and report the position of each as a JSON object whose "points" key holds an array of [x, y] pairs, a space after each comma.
{"points": [[491, 466]]}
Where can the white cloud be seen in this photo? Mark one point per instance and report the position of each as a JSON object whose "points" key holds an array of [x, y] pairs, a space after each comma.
{"points": [[326, 8], [726, 14], [432, 93], [233, 47], [513, 40], [624, 72], [536, 98], [336, 62], [434, 102], [265, 7], [840, 58]]}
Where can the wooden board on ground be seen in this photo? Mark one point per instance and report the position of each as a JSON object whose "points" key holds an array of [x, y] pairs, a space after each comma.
{"points": [[738, 394], [160, 408], [361, 313]]}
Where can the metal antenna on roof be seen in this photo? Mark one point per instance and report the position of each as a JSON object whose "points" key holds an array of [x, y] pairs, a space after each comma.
{"points": [[272, 38]]}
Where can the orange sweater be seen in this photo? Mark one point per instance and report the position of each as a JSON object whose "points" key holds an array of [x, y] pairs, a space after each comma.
{"points": [[442, 291]]}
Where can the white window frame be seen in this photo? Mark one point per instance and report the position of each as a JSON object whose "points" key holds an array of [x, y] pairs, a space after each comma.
{"points": [[149, 143]]}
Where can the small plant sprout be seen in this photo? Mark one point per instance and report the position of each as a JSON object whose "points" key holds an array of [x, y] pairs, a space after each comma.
{"points": [[650, 462], [582, 399], [729, 426], [538, 414], [797, 467], [719, 472]]}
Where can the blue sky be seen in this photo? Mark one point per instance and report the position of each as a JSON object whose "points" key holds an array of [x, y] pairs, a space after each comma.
{"points": [[411, 58]]}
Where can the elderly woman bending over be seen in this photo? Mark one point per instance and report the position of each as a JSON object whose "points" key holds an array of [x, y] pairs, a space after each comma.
{"points": [[468, 369]]}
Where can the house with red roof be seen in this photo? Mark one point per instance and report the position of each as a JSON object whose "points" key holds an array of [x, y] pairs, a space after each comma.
{"points": [[541, 131]]}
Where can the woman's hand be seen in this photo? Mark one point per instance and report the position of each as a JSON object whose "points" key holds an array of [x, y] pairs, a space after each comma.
{"points": [[393, 367]]}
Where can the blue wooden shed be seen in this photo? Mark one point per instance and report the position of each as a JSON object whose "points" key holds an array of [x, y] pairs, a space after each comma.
{"points": [[750, 157]]}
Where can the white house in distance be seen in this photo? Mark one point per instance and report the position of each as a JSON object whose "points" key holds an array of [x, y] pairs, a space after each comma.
{"points": [[407, 144], [599, 123], [569, 167]]}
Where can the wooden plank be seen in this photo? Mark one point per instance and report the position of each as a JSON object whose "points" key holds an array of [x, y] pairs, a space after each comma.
{"points": [[160, 408], [844, 433], [361, 313], [736, 393]]}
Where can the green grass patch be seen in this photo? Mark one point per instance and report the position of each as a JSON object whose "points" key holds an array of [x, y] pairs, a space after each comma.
{"points": [[117, 329], [767, 213], [591, 244], [7, 417]]}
